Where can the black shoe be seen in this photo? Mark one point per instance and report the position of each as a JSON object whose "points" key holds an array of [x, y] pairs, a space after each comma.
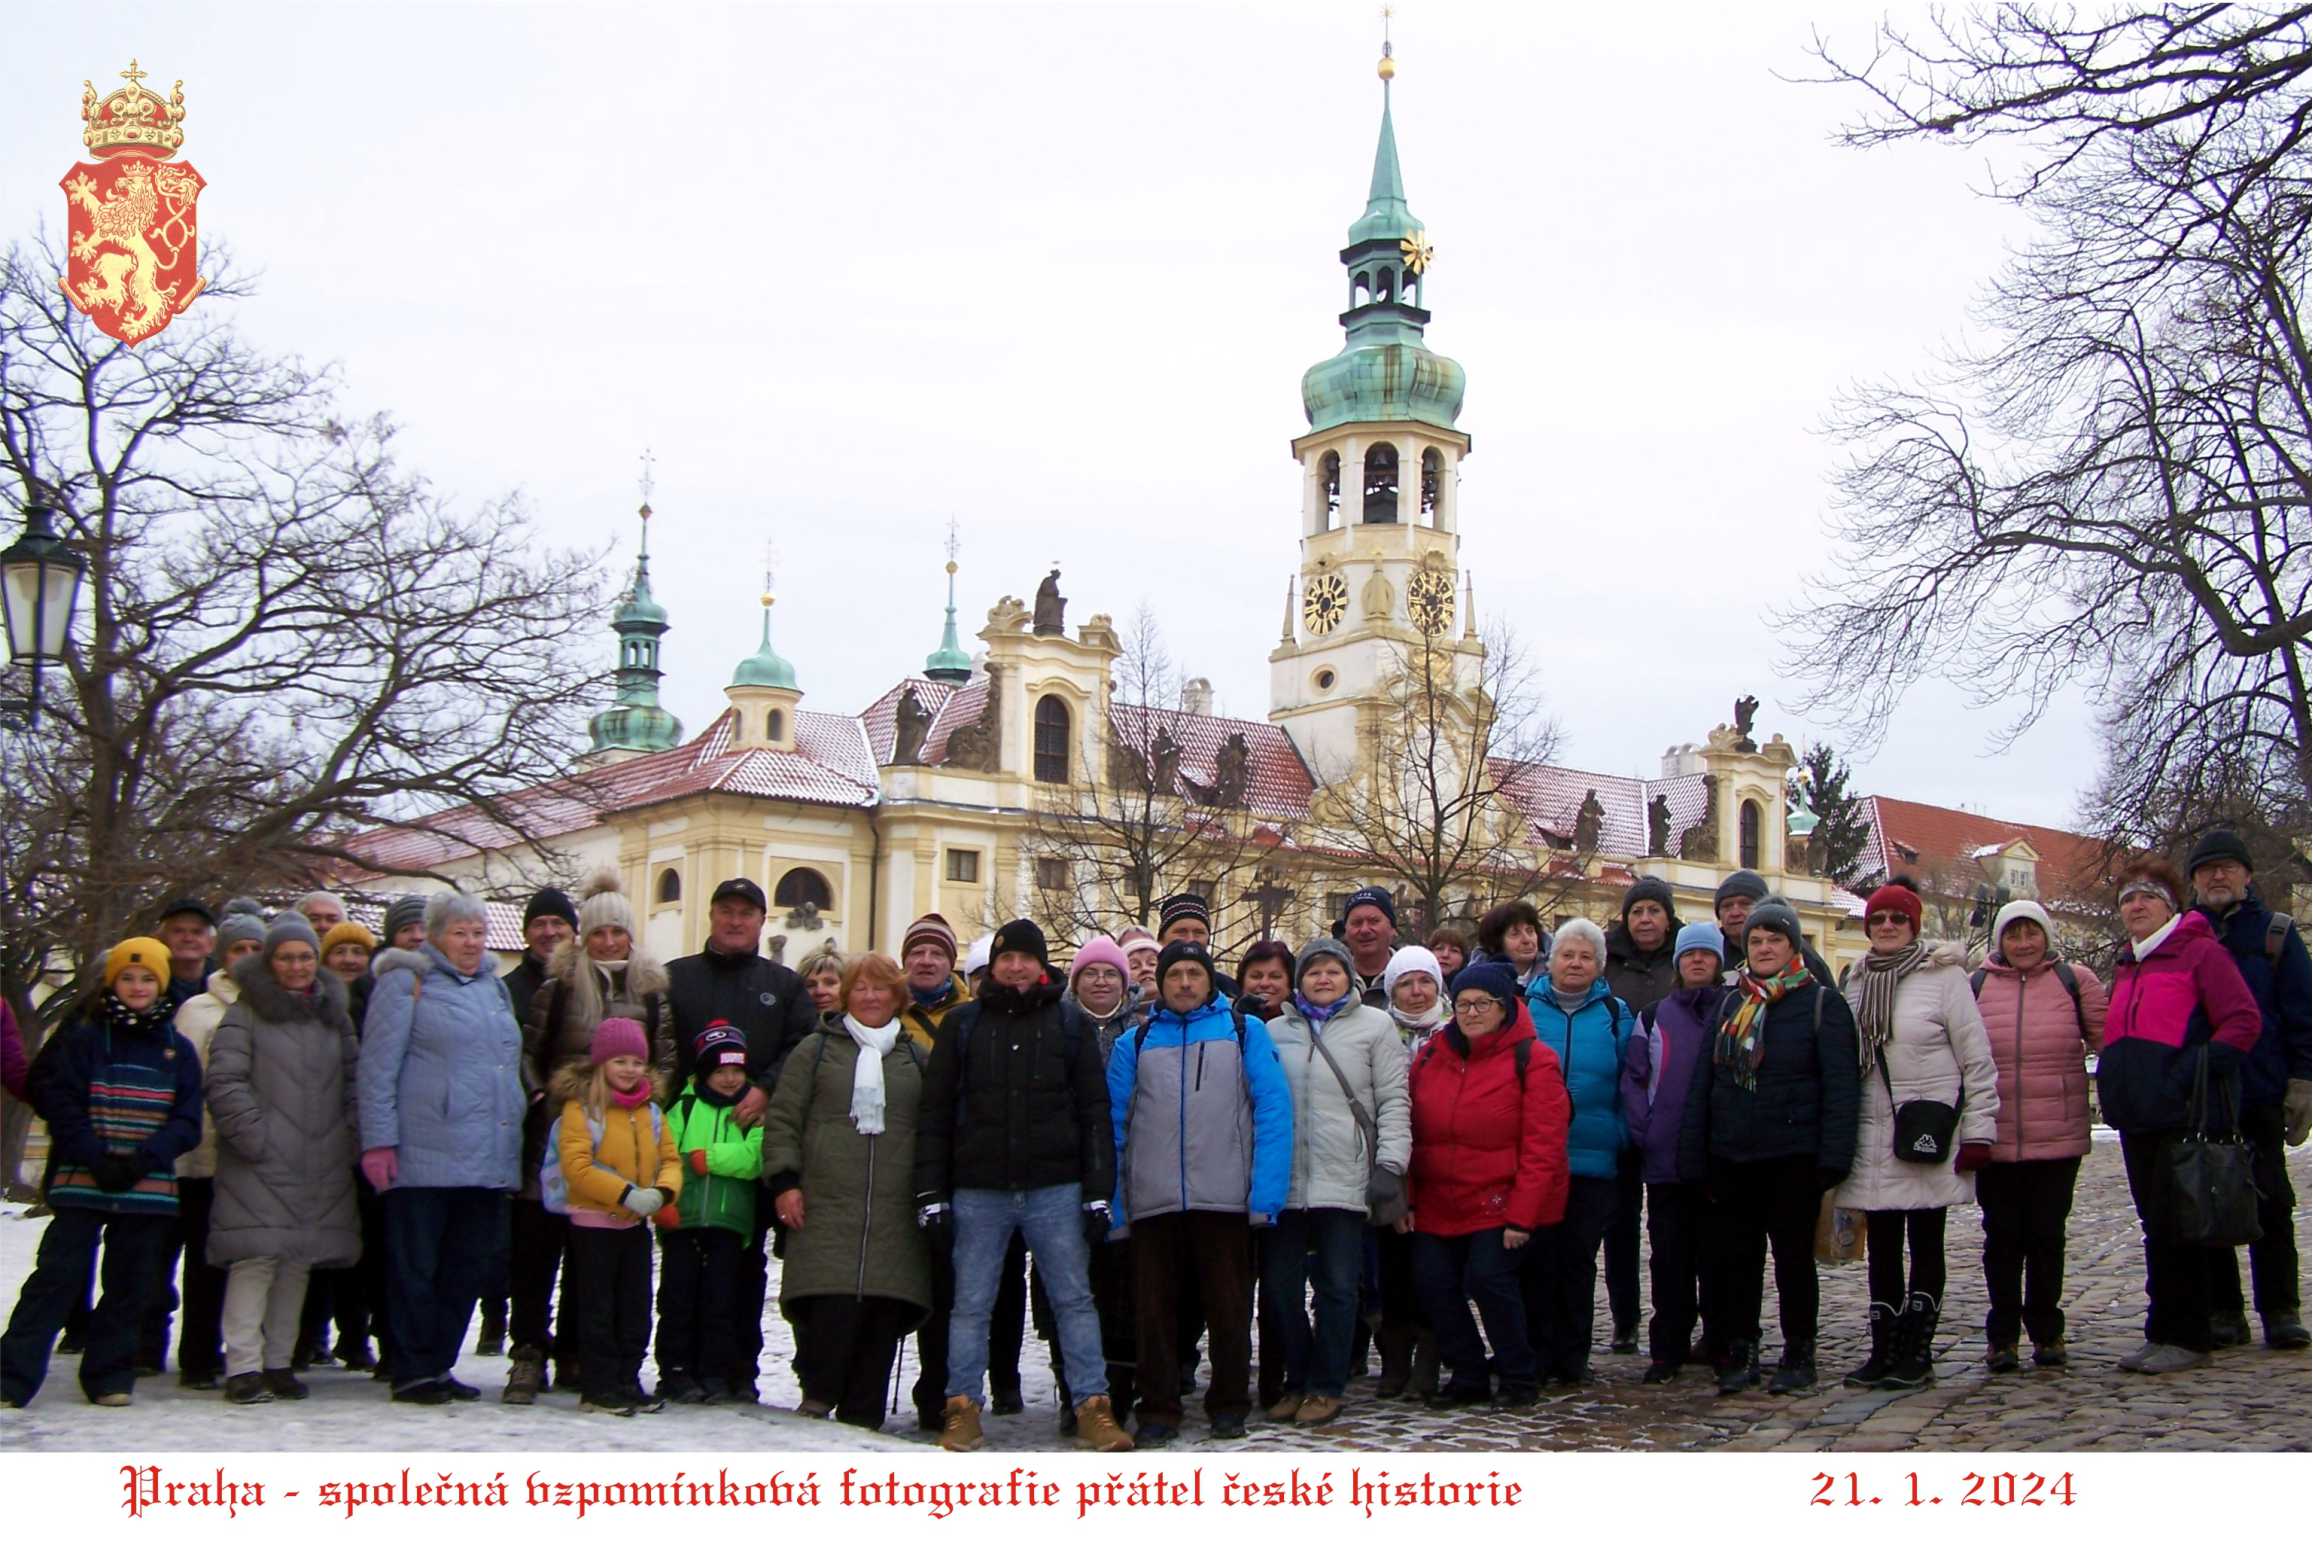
{"points": [[151, 1367], [609, 1403], [198, 1381], [675, 1387], [459, 1391], [247, 1388], [1516, 1397], [930, 1421], [302, 1357], [1149, 1436], [2285, 1330], [355, 1356], [1881, 1360], [1625, 1342], [1450, 1396], [1580, 1376], [430, 1394], [286, 1386], [1005, 1404], [1067, 1420], [643, 1402], [2228, 1330], [1658, 1372], [70, 1344], [1740, 1371], [1228, 1427], [742, 1392], [1796, 1371], [492, 1339]]}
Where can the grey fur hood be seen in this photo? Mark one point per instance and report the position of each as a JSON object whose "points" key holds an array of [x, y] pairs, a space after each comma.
{"points": [[265, 996]]}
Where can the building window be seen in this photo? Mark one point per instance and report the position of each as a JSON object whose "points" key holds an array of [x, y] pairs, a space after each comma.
{"points": [[774, 725], [1336, 907], [1433, 471], [670, 887], [803, 886], [1052, 874], [1749, 823], [1381, 485], [1202, 888], [1329, 486], [963, 865], [1052, 740]]}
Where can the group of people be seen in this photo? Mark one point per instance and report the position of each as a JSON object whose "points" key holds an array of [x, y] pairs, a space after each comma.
{"points": [[1355, 1146]]}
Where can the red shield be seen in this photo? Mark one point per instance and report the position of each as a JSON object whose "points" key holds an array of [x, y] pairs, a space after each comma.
{"points": [[131, 256]]}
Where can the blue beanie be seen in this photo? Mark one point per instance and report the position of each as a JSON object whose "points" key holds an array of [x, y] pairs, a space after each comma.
{"points": [[1377, 897], [1702, 935], [1495, 980]]}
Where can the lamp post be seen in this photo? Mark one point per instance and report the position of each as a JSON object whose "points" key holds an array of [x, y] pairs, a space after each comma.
{"points": [[39, 589]]}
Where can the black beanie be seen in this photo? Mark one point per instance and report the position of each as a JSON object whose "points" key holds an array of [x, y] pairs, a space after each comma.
{"points": [[1740, 884], [550, 902], [2217, 846], [1651, 888], [1180, 951], [1021, 936], [1377, 897]]}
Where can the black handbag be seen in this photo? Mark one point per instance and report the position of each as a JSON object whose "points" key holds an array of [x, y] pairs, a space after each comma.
{"points": [[2210, 1193], [1924, 1128]]}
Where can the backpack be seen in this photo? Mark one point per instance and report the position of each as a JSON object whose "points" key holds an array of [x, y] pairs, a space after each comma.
{"points": [[553, 1188], [2276, 933], [2064, 973]]}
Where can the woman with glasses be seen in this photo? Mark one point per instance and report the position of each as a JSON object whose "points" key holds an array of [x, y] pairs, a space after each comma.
{"points": [[1490, 1117]]}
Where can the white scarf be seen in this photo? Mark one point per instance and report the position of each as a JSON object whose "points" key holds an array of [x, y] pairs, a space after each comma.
{"points": [[2144, 948], [867, 1072]]}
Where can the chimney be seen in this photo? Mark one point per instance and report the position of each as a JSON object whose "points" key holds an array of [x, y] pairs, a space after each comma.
{"points": [[1197, 696]]}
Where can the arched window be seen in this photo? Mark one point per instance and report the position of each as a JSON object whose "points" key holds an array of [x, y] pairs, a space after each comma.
{"points": [[670, 887], [1329, 484], [774, 724], [803, 886], [1749, 822], [1051, 740], [1381, 485], [1383, 287], [1433, 472], [1360, 289]]}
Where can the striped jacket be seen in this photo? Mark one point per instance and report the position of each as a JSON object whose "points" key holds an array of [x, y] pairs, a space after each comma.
{"points": [[104, 1088]]}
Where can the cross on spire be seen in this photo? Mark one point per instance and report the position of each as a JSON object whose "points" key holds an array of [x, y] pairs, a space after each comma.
{"points": [[647, 480], [134, 76]]}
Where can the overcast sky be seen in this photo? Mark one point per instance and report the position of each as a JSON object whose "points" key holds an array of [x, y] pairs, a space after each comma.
{"points": [[1056, 272]]}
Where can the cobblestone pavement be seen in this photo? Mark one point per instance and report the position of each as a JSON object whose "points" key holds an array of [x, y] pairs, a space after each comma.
{"points": [[2249, 1399]]}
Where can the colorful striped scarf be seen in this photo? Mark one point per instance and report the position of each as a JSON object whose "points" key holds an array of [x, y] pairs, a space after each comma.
{"points": [[1742, 1040]]}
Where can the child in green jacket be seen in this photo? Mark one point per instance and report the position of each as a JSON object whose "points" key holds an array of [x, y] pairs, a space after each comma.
{"points": [[702, 1235]]}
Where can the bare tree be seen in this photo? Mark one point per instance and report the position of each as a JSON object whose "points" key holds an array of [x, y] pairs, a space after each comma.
{"points": [[285, 636], [1423, 810], [1104, 848], [2112, 492]]}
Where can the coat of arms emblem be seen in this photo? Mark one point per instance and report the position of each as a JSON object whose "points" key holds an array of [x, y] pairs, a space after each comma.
{"points": [[131, 254]]}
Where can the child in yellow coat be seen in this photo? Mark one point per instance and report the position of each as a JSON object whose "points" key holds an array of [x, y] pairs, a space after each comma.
{"points": [[620, 1166]]}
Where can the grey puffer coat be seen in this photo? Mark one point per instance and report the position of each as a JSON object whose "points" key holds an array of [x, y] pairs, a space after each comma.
{"points": [[1329, 1151], [280, 1084], [1936, 1049]]}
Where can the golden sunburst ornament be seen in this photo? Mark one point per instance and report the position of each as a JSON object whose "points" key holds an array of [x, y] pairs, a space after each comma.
{"points": [[1418, 252]]}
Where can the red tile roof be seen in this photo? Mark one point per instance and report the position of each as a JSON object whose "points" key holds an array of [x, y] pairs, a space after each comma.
{"points": [[1551, 796], [1939, 846], [1277, 782]]}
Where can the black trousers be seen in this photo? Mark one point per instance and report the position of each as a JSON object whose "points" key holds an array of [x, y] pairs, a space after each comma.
{"points": [[2272, 1257], [1676, 1214], [541, 1240], [1755, 1207], [1558, 1277], [845, 1347], [1007, 1328], [1622, 1249], [1109, 1272], [1215, 1242], [201, 1330], [698, 1302], [2176, 1274], [1885, 1233], [2026, 1207], [611, 1266], [134, 1246], [440, 1244]]}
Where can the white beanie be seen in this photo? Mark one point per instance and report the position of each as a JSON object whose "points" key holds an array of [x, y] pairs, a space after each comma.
{"points": [[603, 905], [1411, 960], [976, 957], [2021, 910]]}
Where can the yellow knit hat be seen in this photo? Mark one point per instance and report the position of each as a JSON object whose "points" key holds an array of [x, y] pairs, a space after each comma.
{"points": [[139, 952], [348, 931]]}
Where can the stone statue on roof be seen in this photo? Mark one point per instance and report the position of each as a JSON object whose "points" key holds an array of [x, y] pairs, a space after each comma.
{"points": [[911, 725], [1746, 712], [1589, 821], [1658, 826], [1049, 606]]}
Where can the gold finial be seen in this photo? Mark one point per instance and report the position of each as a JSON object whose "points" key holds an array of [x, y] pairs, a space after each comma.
{"points": [[1387, 69], [955, 545], [770, 563]]}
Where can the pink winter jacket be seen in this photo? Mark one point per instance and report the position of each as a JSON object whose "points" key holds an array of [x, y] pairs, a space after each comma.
{"points": [[2041, 1050]]}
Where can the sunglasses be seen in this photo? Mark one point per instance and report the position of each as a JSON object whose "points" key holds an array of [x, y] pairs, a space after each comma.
{"points": [[1889, 918]]}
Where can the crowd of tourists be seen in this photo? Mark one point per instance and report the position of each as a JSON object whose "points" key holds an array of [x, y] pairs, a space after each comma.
{"points": [[1365, 1146]]}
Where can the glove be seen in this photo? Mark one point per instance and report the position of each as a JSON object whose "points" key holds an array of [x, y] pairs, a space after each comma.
{"points": [[381, 1165], [670, 1217], [1097, 1223], [939, 1226], [116, 1171], [699, 1161], [2297, 1112], [643, 1202], [1384, 1197], [1973, 1154]]}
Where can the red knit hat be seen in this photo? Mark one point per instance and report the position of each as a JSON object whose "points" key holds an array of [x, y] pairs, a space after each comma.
{"points": [[1896, 897]]}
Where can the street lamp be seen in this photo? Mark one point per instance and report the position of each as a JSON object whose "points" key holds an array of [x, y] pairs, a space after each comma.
{"points": [[39, 588]]}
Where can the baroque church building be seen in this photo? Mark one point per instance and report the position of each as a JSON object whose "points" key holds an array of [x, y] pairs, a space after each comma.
{"points": [[1024, 779]]}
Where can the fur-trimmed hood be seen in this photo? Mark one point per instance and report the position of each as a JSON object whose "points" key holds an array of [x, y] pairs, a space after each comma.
{"points": [[569, 1081], [264, 996], [644, 974], [415, 960]]}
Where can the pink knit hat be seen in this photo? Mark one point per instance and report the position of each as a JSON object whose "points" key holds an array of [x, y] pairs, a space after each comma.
{"points": [[616, 1036], [1098, 951], [1134, 938]]}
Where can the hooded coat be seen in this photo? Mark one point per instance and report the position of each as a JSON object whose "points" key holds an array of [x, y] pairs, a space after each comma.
{"points": [[635, 1151], [1203, 1120], [1936, 1048], [1330, 1156], [441, 1073], [2040, 1047], [280, 1081]]}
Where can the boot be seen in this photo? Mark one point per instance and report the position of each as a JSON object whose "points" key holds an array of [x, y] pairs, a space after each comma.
{"points": [[1397, 1359], [1915, 1350], [1796, 1371], [960, 1424], [525, 1376], [1425, 1364], [1740, 1370], [2228, 1330], [492, 1340], [2000, 1357], [1883, 1324], [2285, 1330], [1096, 1426]]}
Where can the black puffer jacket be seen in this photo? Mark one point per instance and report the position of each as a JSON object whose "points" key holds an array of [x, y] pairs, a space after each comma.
{"points": [[1015, 1097], [1806, 1100], [1640, 979], [765, 1001]]}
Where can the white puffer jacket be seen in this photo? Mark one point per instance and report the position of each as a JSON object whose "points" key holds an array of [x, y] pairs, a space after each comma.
{"points": [[197, 1020], [1936, 1047], [1329, 1154]]}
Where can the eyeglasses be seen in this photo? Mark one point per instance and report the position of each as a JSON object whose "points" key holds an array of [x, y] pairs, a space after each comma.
{"points": [[1476, 1008], [1888, 918]]}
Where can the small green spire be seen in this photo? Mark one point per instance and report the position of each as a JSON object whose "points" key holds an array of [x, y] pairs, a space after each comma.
{"points": [[950, 662], [637, 722], [1386, 216], [765, 667]]}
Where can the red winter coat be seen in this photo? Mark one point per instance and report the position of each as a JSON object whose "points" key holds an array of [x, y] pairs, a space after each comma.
{"points": [[1486, 1151], [2041, 1048]]}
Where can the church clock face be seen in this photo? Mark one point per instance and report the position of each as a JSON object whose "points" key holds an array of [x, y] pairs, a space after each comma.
{"points": [[1430, 599], [1324, 601]]}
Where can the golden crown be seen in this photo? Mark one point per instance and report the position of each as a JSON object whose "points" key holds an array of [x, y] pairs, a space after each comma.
{"points": [[132, 118]]}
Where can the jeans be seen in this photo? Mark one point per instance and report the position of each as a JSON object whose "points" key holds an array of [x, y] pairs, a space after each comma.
{"points": [[1884, 1235], [2272, 1257], [2176, 1274], [133, 1248], [1200, 1259], [1559, 1276], [1052, 1219], [264, 1305], [611, 1266], [2026, 1206], [1455, 1273], [440, 1244], [1323, 1248], [1007, 1328], [1756, 1206], [1674, 1233]]}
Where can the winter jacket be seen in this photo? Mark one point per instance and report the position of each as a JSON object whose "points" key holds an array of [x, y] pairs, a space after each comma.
{"points": [[1202, 1121], [764, 1000], [2163, 1008], [1117, 1024], [859, 1235], [197, 1020], [280, 1085], [2040, 1046], [13, 1063], [107, 1090], [1803, 1099], [1489, 1141], [1733, 942], [523, 983], [1936, 1048], [1014, 1099], [725, 1195], [922, 1023], [1641, 979], [1661, 1057], [1330, 1155], [441, 1073], [1588, 1043], [2284, 992], [560, 1019], [636, 1151]]}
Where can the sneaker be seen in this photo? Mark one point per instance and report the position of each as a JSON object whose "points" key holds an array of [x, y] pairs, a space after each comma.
{"points": [[459, 1391], [2001, 1359], [285, 1385], [960, 1425], [2285, 1330], [2052, 1355], [609, 1403], [1316, 1410], [2172, 1357], [2134, 1359], [246, 1388], [1228, 1427], [112, 1400], [428, 1394], [1286, 1407], [1150, 1436], [1659, 1372]]}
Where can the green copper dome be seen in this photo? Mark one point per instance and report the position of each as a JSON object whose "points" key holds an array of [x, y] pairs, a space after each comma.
{"points": [[1383, 373], [949, 661], [638, 722], [765, 667]]}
